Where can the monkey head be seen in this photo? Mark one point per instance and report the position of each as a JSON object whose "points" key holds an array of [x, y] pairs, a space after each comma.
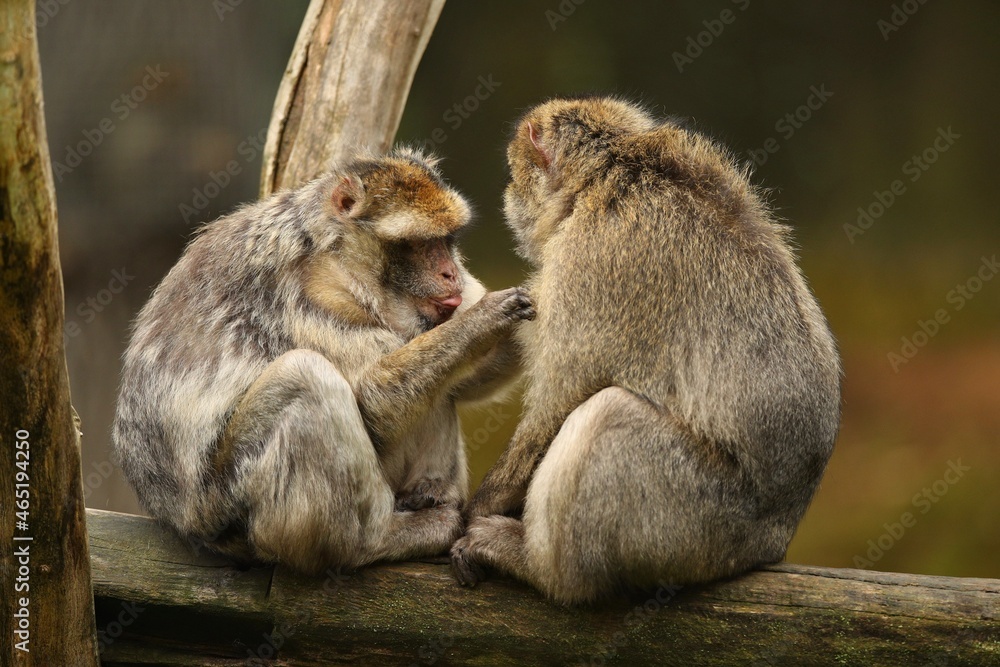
{"points": [[397, 223], [557, 148]]}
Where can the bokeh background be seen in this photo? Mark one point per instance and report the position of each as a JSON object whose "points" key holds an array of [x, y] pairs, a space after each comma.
{"points": [[907, 92]]}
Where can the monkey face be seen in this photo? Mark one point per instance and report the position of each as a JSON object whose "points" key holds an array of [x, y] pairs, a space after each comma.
{"points": [[428, 273], [405, 217]]}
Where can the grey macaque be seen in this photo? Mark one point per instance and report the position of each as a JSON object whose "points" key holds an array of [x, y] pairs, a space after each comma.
{"points": [[289, 391]]}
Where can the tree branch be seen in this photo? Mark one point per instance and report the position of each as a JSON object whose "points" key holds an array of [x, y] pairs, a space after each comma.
{"points": [[345, 85]]}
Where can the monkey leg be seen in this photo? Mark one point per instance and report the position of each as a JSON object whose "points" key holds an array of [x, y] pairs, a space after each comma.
{"points": [[426, 532], [625, 497], [431, 468], [429, 492], [305, 471], [495, 541]]}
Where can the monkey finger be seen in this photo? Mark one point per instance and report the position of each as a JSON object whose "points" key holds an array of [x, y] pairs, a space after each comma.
{"points": [[526, 303], [526, 313], [518, 307], [415, 501], [463, 567], [522, 296]]}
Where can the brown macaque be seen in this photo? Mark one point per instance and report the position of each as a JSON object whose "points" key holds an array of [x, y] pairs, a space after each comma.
{"points": [[683, 388]]}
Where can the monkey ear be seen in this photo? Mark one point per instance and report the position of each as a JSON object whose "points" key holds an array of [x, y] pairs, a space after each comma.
{"points": [[543, 154], [347, 196]]}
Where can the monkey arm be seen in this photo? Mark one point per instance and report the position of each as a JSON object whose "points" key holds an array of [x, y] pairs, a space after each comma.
{"points": [[506, 484], [402, 386], [490, 373]]}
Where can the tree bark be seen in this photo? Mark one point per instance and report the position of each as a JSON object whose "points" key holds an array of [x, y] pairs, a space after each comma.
{"points": [[46, 605], [345, 85]]}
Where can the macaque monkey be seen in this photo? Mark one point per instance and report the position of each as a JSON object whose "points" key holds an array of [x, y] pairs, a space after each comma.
{"points": [[289, 391], [683, 388]]}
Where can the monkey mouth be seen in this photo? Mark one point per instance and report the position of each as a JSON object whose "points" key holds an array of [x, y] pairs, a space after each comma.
{"points": [[444, 307]]}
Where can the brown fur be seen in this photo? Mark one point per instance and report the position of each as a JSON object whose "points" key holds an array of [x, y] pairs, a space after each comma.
{"points": [[683, 386]]}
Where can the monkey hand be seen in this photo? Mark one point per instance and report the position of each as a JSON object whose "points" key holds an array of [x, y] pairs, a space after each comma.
{"points": [[469, 555], [507, 306], [493, 317]]}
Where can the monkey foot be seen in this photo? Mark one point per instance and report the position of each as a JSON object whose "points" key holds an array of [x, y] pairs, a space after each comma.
{"points": [[416, 501], [427, 493], [464, 564]]}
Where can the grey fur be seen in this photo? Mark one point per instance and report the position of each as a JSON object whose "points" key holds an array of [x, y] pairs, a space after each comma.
{"points": [[274, 351]]}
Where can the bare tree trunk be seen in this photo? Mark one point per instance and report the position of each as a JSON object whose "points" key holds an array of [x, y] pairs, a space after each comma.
{"points": [[46, 604], [345, 85]]}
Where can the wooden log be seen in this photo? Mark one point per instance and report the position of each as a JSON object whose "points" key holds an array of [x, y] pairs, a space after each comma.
{"points": [[194, 609], [46, 607], [345, 84]]}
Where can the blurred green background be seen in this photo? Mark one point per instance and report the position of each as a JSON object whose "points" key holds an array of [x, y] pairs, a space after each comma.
{"points": [[885, 82]]}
